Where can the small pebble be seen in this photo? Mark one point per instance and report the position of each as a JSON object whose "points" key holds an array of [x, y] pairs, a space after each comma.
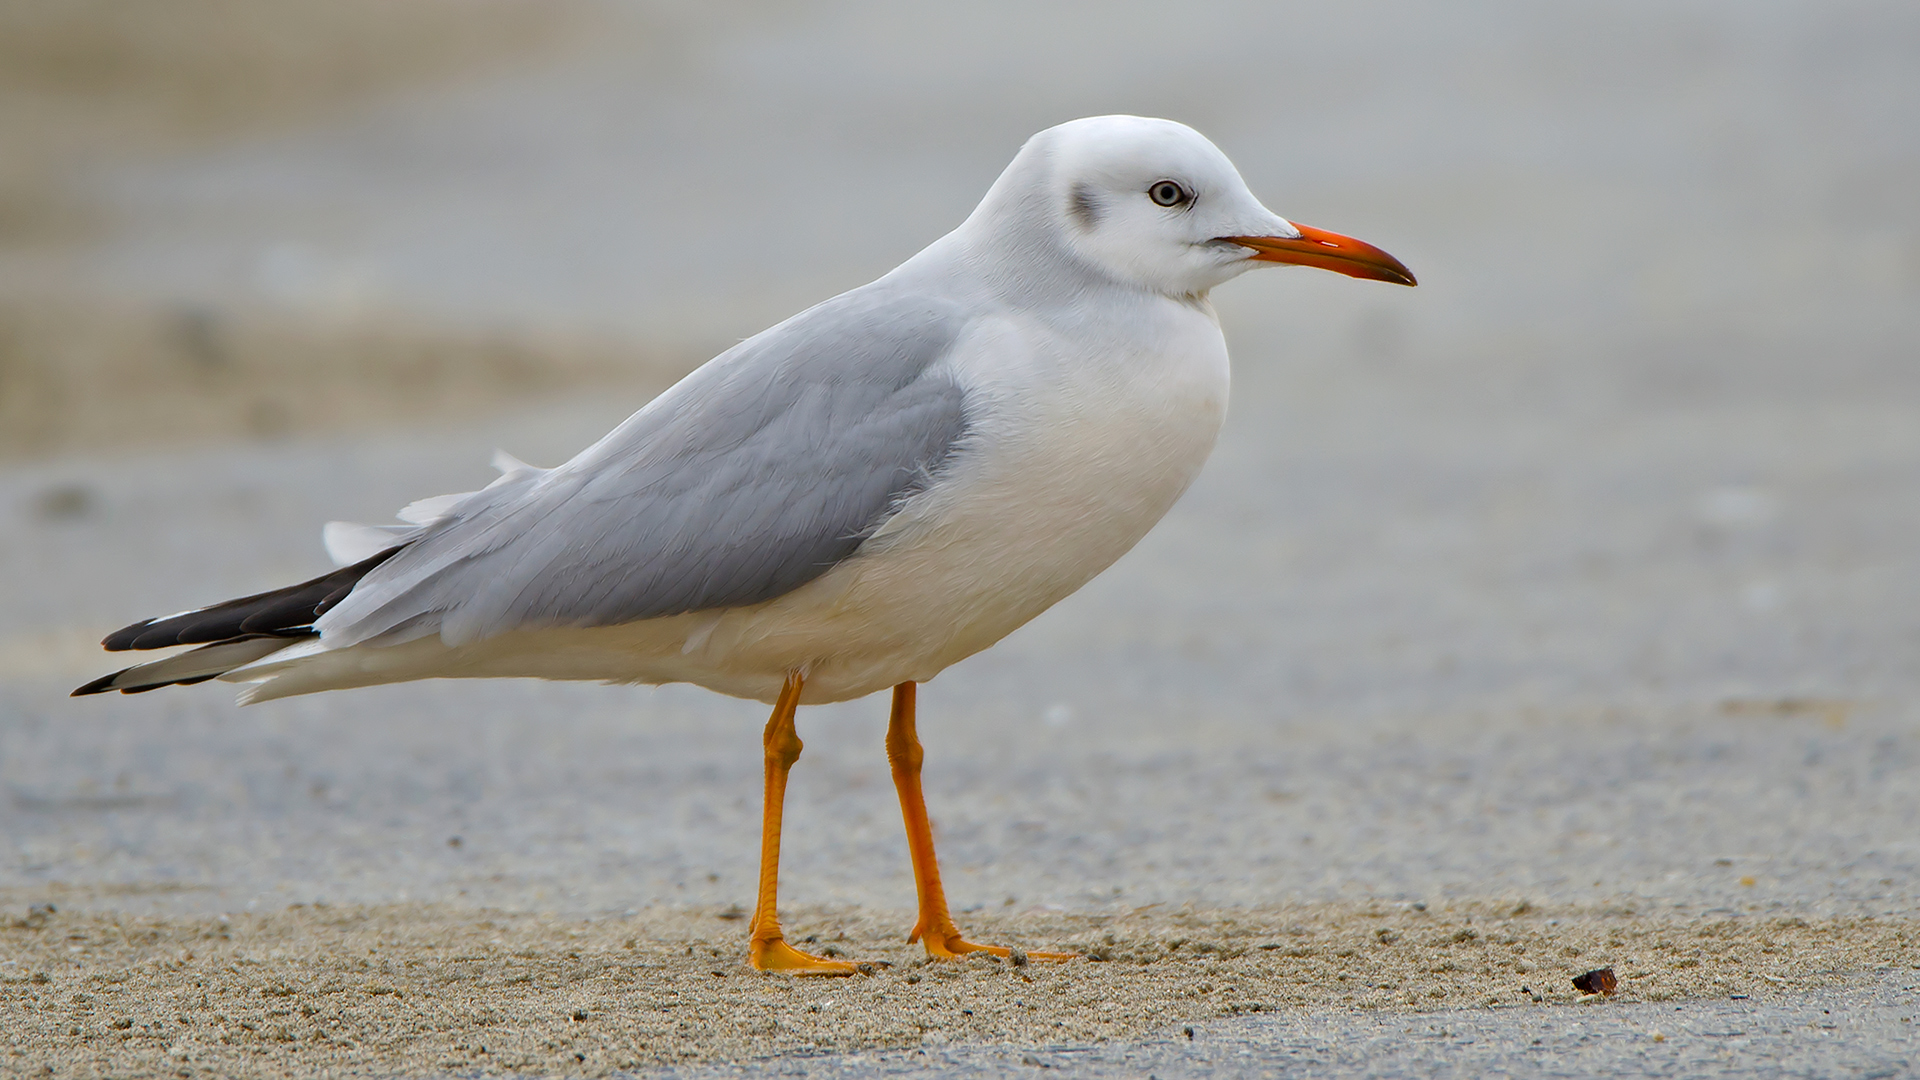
{"points": [[1597, 981]]}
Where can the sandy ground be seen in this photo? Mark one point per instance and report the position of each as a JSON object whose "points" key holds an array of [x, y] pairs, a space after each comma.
{"points": [[1573, 592], [319, 990]]}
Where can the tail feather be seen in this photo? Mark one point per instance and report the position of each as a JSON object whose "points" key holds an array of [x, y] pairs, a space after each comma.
{"points": [[184, 669], [232, 634]]}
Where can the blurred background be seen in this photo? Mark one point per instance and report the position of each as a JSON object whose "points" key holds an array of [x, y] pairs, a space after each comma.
{"points": [[1605, 532]]}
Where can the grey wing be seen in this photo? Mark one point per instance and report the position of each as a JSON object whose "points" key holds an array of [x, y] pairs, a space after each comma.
{"points": [[751, 477]]}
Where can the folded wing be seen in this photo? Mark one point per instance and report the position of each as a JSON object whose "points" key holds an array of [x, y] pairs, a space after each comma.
{"points": [[751, 477]]}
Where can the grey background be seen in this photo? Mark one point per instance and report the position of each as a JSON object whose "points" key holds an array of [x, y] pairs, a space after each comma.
{"points": [[1584, 573]]}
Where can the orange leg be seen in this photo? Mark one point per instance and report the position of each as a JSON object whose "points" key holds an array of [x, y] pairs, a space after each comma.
{"points": [[768, 949], [935, 926]]}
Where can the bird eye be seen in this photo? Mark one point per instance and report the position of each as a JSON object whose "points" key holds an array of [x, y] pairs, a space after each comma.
{"points": [[1168, 193]]}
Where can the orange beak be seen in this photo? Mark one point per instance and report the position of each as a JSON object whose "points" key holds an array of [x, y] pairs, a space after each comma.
{"points": [[1328, 251]]}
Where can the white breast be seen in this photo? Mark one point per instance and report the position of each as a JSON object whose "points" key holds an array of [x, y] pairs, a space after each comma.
{"points": [[1078, 445]]}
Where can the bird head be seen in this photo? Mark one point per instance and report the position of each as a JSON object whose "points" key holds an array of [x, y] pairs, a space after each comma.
{"points": [[1154, 204]]}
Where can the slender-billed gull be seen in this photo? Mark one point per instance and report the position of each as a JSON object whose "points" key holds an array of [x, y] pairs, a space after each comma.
{"points": [[847, 502]]}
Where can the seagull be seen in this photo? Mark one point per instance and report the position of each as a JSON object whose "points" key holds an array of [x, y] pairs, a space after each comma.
{"points": [[847, 502]]}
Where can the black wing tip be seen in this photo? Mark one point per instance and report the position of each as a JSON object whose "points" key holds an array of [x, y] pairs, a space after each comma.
{"points": [[104, 684], [284, 612], [123, 639], [100, 685]]}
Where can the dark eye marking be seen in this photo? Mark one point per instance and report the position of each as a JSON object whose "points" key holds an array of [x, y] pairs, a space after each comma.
{"points": [[1169, 193], [1084, 205]]}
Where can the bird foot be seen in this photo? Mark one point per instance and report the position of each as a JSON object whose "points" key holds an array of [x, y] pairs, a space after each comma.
{"points": [[951, 946], [774, 954]]}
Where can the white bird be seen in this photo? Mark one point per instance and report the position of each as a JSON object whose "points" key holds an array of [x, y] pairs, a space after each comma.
{"points": [[852, 500]]}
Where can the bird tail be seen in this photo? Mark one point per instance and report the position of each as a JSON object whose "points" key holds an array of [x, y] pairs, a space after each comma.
{"points": [[231, 634], [187, 668]]}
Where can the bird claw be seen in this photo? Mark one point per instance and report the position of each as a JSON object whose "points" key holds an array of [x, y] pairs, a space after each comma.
{"points": [[774, 954], [951, 946]]}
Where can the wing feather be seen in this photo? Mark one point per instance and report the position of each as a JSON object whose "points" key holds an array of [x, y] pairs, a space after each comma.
{"points": [[754, 475]]}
